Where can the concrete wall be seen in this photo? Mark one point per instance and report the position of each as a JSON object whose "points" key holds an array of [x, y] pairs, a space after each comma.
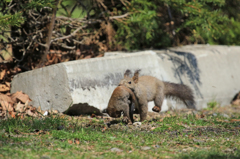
{"points": [[210, 70]]}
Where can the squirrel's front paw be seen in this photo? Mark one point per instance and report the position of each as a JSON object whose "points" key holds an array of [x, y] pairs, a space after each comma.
{"points": [[156, 109], [126, 120]]}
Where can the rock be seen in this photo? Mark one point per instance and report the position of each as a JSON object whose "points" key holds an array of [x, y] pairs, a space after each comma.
{"points": [[145, 148], [198, 141], [225, 115], [137, 124], [60, 127], [214, 114], [116, 150], [44, 157], [228, 150]]}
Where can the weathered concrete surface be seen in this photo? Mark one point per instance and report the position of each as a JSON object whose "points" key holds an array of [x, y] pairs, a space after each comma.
{"points": [[212, 71]]}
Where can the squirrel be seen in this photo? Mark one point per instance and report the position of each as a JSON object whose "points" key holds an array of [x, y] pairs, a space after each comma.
{"points": [[149, 88], [122, 100]]}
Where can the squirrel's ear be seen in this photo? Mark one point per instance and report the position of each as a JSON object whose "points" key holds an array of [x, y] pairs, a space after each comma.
{"points": [[135, 77], [127, 73]]}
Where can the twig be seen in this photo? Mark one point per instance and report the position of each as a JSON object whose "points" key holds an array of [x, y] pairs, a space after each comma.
{"points": [[65, 46], [78, 42], [119, 16], [68, 36]]}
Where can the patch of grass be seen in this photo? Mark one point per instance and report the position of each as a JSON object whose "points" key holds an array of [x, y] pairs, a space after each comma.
{"points": [[30, 124], [174, 136], [211, 105]]}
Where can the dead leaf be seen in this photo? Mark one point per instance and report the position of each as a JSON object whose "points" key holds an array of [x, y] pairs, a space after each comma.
{"points": [[119, 141], [236, 102], [93, 115], [12, 114], [4, 97], [78, 52], [168, 116], [39, 109], [2, 114], [30, 113], [8, 84], [4, 88], [33, 109], [90, 147], [2, 74], [197, 116], [70, 141], [235, 120], [152, 128], [104, 129], [77, 141], [20, 96], [19, 107], [6, 106], [88, 57], [161, 120], [100, 55], [53, 112]]}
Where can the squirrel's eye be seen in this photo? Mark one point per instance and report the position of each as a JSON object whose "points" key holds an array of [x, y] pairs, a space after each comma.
{"points": [[129, 82]]}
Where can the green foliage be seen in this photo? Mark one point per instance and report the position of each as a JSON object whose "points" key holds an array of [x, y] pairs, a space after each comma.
{"points": [[11, 17], [142, 27], [10, 20], [212, 105], [162, 23], [31, 124], [231, 35]]}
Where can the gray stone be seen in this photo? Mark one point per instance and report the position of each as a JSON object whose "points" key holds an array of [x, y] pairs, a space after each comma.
{"points": [[44, 157], [198, 141], [116, 150], [137, 123], [225, 115], [211, 71], [214, 114], [144, 148]]}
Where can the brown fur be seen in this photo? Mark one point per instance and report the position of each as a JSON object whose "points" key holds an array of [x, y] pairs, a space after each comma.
{"points": [[148, 88], [122, 100]]}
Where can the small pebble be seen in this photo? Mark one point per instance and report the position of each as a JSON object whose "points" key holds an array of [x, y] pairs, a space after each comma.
{"points": [[225, 116], [145, 148], [137, 124], [116, 150], [45, 157]]}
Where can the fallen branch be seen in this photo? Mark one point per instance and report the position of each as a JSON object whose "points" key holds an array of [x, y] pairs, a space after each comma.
{"points": [[68, 36], [119, 16]]}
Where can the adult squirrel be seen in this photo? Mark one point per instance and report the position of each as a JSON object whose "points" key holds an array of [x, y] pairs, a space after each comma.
{"points": [[148, 88], [122, 100]]}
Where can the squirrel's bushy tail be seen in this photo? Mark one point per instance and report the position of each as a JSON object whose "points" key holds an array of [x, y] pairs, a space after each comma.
{"points": [[181, 92]]}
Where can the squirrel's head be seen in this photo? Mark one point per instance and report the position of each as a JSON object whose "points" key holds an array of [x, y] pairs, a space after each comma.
{"points": [[129, 82], [113, 113]]}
